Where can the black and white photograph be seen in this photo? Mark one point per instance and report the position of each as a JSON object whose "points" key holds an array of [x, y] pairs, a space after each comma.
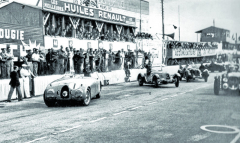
{"points": [[119, 71]]}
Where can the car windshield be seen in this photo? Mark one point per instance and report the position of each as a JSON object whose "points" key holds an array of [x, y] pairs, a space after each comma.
{"points": [[69, 74]]}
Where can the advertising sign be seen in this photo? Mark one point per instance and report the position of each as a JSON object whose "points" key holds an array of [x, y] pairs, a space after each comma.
{"points": [[68, 8], [191, 53]]}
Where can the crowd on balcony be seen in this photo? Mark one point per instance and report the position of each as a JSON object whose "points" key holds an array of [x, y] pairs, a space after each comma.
{"points": [[208, 59], [84, 29]]}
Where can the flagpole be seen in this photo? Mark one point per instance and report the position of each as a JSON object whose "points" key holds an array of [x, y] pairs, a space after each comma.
{"points": [[179, 21], [162, 20]]}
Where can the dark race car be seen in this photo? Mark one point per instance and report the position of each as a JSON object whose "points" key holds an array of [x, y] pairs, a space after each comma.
{"points": [[192, 73], [157, 77], [215, 67], [228, 81]]}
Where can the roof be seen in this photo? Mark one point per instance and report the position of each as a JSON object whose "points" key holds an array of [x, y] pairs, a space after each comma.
{"points": [[6, 4], [200, 31]]}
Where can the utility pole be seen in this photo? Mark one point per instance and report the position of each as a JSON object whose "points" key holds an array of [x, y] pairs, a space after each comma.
{"points": [[140, 16], [162, 20], [179, 21]]}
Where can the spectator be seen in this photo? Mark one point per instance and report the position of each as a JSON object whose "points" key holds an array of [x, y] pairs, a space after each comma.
{"points": [[42, 70], [29, 59], [49, 61], [79, 58], [9, 62], [35, 61], [25, 74], [14, 83], [61, 59], [3, 63]]}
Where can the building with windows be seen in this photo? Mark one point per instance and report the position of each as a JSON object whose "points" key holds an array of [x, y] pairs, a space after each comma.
{"points": [[73, 23], [229, 42]]}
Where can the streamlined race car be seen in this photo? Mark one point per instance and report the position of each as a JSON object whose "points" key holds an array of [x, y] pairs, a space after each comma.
{"points": [[227, 81], [71, 87], [193, 73], [157, 78]]}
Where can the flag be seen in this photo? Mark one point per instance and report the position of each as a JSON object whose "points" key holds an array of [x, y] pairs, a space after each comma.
{"points": [[233, 37], [175, 27]]}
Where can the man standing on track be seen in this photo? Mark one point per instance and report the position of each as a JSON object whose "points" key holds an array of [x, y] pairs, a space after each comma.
{"points": [[25, 74], [14, 83]]}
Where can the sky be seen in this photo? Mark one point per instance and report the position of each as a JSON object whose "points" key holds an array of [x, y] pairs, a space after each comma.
{"points": [[194, 15]]}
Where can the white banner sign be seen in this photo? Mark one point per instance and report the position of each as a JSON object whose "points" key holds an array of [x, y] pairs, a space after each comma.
{"points": [[190, 53]]}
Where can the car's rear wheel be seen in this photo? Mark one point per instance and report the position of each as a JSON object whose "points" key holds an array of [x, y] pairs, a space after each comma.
{"points": [[140, 81], [98, 95], [49, 103], [216, 86], [87, 99], [177, 82]]}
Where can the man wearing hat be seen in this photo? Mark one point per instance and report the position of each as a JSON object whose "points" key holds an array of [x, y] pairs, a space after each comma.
{"points": [[26, 75], [29, 59], [91, 60], [9, 62], [35, 61], [42, 63], [14, 83], [3, 63], [62, 56]]}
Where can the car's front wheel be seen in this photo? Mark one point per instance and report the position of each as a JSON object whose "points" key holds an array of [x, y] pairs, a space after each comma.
{"points": [[49, 103], [87, 99], [177, 82], [140, 81], [216, 86]]}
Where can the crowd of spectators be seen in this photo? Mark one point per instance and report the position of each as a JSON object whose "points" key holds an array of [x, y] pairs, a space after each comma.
{"points": [[67, 59]]}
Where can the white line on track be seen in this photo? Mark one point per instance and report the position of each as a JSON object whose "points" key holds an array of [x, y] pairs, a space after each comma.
{"points": [[36, 140], [236, 138], [119, 113], [151, 103], [98, 119], [70, 129], [136, 107], [164, 99], [174, 95], [182, 93]]}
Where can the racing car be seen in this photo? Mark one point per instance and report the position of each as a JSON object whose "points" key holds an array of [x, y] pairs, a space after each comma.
{"points": [[228, 81], [158, 77], [215, 67], [71, 87], [193, 73]]}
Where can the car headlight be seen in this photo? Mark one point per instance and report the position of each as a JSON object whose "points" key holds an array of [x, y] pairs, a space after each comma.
{"points": [[225, 79], [50, 91]]}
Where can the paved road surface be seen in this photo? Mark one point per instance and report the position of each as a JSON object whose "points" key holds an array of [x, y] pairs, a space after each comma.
{"points": [[128, 113]]}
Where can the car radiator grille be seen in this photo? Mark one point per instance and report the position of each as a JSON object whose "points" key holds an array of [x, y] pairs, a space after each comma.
{"points": [[233, 81]]}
